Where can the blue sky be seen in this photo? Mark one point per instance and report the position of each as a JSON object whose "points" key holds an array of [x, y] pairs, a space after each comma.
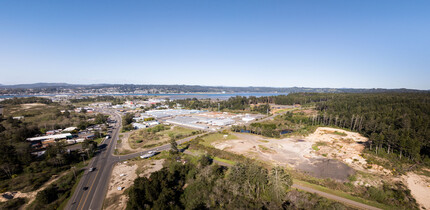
{"points": [[354, 43]]}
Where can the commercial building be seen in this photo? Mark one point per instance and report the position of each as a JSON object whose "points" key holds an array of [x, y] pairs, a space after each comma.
{"points": [[52, 137], [138, 125], [163, 113]]}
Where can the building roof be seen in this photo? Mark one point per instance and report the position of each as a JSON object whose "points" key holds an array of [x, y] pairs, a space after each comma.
{"points": [[57, 136], [70, 129]]}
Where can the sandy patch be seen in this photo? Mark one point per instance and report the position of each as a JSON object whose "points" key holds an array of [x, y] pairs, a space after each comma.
{"points": [[29, 106], [347, 147], [295, 153], [420, 188], [124, 146], [123, 176]]}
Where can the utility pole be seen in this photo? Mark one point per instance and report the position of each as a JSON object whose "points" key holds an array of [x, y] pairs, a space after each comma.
{"points": [[83, 157], [74, 172]]}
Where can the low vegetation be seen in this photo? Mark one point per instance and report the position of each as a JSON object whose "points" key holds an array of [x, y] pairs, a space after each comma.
{"points": [[158, 135], [56, 194], [203, 185], [207, 140]]}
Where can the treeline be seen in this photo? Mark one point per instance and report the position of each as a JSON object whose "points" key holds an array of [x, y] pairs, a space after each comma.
{"points": [[238, 103], [114, 100], [395, 122], [252, 103], [265, 129], [204, 185], [26, 100]]}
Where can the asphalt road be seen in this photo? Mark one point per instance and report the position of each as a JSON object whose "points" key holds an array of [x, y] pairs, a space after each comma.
{"points": [[94, 181], [97, 181]]}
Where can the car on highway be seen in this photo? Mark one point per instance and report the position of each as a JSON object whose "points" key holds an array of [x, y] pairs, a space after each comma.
{"points": [[85, 188], [92, 169], [148, 155]]}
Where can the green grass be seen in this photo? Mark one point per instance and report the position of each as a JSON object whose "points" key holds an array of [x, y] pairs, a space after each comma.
{"points": [[175, 131], [209, 139], [99, 140], [263, 147], [340, 133], [315, 147], [342, 194], [224, 160]]}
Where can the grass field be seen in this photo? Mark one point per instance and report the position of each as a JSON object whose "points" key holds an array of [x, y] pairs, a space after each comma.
{"points": [[230, 162], [146, 138], [209, 139]]}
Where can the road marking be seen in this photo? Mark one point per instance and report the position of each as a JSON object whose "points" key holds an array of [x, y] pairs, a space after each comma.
{"points": [[86, 198], [89, 190]]}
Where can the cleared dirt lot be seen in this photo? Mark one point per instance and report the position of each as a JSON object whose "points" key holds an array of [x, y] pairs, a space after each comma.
{"points": [[293, 152], [420, 188], [123, 176]]}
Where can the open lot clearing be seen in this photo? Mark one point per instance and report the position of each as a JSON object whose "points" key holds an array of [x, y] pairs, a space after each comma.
{"points": [[327, 153], [420, 188], [292, 152], [158, 135], [123, 176]]}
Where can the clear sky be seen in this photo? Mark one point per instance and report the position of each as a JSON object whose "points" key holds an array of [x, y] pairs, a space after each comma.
{"points": [[324, 43]]}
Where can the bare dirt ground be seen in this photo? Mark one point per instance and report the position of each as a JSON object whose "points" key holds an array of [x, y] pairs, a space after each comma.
{"points": [[29, 106], [293, 152], [344, 146], [29, 196], [123, 175], [420, 188], [124, 146], [327, 153]]}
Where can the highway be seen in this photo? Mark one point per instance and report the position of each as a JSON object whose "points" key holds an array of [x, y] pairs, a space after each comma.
{"points": [[97, 181]]}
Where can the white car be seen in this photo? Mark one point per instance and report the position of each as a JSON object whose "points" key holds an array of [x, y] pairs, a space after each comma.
{"points": [[148, 155]]}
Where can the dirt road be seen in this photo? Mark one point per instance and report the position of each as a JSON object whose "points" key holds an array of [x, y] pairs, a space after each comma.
{"points": [[334, 197]]}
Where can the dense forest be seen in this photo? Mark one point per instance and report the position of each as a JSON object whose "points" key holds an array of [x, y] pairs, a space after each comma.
{"points": [[397, 123], [204, 185]]}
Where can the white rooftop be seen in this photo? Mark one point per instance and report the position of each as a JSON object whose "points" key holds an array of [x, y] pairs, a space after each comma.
{"points": [[57, 136]]}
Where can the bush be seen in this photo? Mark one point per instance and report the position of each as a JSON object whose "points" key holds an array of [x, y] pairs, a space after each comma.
{"points": [[13, 204]]}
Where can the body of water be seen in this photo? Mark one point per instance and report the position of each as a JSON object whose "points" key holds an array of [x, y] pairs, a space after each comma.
{"points": [[173, 96]]}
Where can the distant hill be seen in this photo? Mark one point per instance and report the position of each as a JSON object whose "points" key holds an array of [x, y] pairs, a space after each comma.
{"points": [[133, 88]]}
